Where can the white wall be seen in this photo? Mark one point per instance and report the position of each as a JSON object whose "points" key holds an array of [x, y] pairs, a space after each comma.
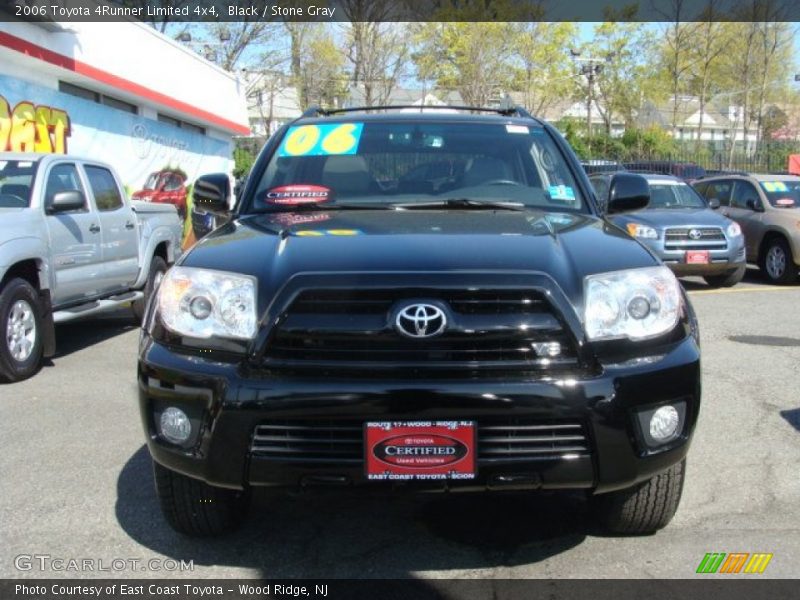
{"points": [[136, 53]]}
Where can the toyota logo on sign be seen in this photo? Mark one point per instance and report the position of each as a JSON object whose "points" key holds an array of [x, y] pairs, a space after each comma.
{"points": [[695, 234], [420, 320]]}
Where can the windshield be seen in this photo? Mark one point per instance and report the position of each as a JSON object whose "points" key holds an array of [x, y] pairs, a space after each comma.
{"points": [[151, 182], [782, 194], [674, 195], [16, 177], [400, 163]]}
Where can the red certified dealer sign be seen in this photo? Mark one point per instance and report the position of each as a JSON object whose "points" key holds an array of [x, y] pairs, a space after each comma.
{"points": [[419, 450]]}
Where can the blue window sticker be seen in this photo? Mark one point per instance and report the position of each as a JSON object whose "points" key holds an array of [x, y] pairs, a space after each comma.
{"points": [[321, 140], [561, 192]]}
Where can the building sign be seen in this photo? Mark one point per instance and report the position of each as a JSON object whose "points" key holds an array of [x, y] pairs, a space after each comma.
{"points": [[26, 127]]}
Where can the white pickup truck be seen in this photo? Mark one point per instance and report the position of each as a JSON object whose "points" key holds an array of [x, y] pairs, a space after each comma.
{"points": [[71, 246]]}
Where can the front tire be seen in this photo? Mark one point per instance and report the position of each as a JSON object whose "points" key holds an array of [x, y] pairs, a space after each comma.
{"points": [[158, 266], [776, 262], [644, 508], [726, 280], [21, 330], [195, 508]]}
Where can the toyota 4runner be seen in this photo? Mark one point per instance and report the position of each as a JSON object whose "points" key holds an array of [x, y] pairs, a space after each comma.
{"points": [[426, 300]]}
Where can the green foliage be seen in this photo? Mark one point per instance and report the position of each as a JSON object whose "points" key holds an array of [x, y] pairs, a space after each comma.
{"points": [[651, 142], [243, 159]]}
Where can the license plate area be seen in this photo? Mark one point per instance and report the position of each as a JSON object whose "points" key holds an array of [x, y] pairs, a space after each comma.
{"points": [[697, 257], [419, 450]]}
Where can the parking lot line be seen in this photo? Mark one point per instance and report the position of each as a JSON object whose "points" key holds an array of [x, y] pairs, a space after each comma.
{"points": [[766, 288]]}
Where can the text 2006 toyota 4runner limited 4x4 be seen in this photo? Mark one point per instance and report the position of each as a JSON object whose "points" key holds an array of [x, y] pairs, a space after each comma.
{"points": [[420, 300]]}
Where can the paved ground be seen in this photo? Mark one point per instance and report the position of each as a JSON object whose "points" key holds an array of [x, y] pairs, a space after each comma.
{"points": [[76, 480]]}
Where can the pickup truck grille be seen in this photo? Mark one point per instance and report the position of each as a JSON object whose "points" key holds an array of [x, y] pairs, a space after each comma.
{"points": [[711, 238], [338, 441], [488, 329]]}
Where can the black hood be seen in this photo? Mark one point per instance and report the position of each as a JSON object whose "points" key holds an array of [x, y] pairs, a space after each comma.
{"points": [[274, 247]]}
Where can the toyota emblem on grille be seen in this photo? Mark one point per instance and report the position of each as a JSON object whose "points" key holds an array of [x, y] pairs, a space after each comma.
{"points": [[695, 234], [420, 320]]}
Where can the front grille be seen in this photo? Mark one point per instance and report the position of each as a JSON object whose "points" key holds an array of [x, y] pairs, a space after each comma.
{"points": [[711, 238], [352, 328], [320, 441]]}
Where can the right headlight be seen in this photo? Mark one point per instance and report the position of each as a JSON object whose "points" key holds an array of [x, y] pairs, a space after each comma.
{"points": [[634, 304], [203, 303]]}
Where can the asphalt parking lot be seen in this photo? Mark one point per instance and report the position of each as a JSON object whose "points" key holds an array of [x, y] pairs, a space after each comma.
{"points": [[77, 481]]}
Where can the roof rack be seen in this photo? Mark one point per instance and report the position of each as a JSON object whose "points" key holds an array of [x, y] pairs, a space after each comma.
{"points": [[515, 111]]}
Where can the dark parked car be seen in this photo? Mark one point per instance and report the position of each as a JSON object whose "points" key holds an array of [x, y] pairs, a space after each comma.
{"points": [[601, 166], [767, 207], [490, 333], [688, 171], [680, 227]]}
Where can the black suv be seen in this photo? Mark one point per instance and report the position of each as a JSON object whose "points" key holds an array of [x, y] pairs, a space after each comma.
{"points": [[423, 300]]}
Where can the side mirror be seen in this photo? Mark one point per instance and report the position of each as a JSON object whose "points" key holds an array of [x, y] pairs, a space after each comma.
{"points": [[713, 204], [754, 205], [627, 192], [66, 202], [212, 193]]}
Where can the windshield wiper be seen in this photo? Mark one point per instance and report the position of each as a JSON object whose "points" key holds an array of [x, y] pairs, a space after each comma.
{"points": [[462, 203]]}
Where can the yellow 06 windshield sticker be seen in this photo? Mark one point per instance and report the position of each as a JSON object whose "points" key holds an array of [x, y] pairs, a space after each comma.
{"points": [[321, 140], [775, 186]]}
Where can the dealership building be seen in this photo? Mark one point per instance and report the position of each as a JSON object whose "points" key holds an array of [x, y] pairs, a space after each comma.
{"points": [[118, 92]]}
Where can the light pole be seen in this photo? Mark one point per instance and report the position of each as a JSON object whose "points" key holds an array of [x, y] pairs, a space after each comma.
{"points": [[590, 67]]}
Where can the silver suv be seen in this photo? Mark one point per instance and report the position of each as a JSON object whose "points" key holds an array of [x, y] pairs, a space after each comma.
{"points": [[767, 207], [681, 228]]}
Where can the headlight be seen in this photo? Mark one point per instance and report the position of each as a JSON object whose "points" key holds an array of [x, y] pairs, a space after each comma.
{"points": [[202, 303], [634, 304], [642, 231], [734, 230]]}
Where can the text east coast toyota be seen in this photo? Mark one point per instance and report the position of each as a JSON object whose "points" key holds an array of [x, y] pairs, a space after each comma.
{"points": [[420, 300]]}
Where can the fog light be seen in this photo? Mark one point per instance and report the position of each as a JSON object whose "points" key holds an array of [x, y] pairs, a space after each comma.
{"points": [[175, 425], [664, 423]]}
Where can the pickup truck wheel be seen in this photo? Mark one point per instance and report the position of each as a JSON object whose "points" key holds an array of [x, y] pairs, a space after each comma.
{"points": [[644, 508], [158, 267], [21, 323], [776, 262], [726, 280], [195, 508]]}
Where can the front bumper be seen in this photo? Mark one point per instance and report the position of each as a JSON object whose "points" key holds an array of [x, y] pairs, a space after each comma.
{"points": [[226, 403], [721, 261]]}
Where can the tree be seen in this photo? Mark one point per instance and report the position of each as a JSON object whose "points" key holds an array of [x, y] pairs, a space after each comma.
{"points": [[624, 78], [378, 51], [472, 58], [321, 75], [710, 40], [542, 69], [676, 58]]}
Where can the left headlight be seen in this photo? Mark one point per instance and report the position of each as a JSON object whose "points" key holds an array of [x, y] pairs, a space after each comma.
{"points": [[642, 231], [635, 303], [734, 230], [203, 303]]}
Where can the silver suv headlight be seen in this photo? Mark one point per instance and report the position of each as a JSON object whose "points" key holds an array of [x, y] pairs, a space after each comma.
{"points": [[203, 303], [634, 304]]}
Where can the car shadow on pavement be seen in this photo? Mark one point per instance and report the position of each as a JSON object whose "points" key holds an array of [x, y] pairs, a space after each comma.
{"points": [[751, 275], [78, 335], [792, 417], [346, 534]]}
